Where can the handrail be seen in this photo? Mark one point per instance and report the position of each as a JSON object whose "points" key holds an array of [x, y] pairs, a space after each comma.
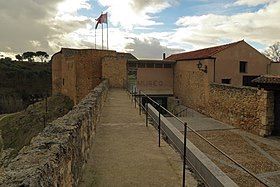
{"points": [[199, 135], [181, 111]]}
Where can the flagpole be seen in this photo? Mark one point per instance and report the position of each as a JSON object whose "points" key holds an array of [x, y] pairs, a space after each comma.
{"points": [[102, 34], [107, 34], [95, 38]]}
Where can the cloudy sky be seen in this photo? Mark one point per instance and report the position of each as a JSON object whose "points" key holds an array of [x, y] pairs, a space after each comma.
{"points": [[146, 28]]}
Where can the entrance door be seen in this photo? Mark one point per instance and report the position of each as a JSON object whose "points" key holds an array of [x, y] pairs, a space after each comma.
{"points": [[160, 100], [277, 113], [247, 81]]}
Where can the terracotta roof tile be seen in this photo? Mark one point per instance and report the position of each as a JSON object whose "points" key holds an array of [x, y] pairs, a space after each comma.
{"points": [[202, 53], [267, 79]]}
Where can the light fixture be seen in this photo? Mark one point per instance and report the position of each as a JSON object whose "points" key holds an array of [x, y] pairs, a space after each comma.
{"points": [[201, 67]]}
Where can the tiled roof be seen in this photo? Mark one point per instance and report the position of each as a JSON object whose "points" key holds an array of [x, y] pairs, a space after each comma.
{"points": [[152, 61], [267, 79], [202, 53]]}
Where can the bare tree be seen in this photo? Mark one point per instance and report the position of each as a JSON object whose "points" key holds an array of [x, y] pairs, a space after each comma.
{"points": [[273, 52]]}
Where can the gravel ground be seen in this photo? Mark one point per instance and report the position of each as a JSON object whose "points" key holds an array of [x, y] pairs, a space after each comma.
{"points": [[240, 149]]}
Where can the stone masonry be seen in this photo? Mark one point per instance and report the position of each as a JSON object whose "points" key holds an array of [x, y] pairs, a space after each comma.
{"points": [[247, 108], [57, 155], [77, 71], [243, 107]]}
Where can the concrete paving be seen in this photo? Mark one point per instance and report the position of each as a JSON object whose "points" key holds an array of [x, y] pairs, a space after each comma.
{"points": [[125, 152], [199, 122], [260, 155]]}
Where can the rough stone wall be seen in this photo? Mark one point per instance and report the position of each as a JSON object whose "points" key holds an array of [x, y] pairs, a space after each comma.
{"points": [[77, 71], [57, 155], [89, 70], [56, 73], [191, 85], [243, 107], [115, 70]]}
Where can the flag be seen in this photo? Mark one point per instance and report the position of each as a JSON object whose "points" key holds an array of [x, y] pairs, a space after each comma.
{"points": [[102, 19]]}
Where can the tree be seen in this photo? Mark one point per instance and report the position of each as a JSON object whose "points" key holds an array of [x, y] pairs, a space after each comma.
{"points": [[42, 55], [6, 60], [29, 56], [19, 57], [273, 52]]}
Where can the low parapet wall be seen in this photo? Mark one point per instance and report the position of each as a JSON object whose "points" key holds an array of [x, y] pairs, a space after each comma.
{"points": [[57, 155]]}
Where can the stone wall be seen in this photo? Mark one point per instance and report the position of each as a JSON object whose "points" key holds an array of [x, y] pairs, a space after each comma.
{"points": [[114, 69], [190, 86], [57, 155], [247, 108], [77, 71]]}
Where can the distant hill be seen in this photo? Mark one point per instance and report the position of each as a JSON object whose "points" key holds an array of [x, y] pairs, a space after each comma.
{"points": [[22, 83]]}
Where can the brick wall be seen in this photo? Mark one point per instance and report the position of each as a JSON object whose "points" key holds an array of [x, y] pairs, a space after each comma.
{"points": [[56, 156]]}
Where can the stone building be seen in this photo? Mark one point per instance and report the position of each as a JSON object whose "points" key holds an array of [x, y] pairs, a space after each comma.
{"points": [[209, 80], [235, 63], [274, 68], [77, 71]]}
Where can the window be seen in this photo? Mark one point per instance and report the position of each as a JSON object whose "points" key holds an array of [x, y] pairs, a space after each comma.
{"points": [[167, 66], [150, 65], [158, 65], [226, 81], [62, 81], [247, 81], [243, 67]]}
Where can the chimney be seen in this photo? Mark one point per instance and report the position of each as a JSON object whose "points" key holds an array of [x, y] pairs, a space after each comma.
{"points": [[163, 56]]}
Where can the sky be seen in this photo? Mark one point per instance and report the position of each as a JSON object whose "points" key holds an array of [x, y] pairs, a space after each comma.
{"points": [[145, 28]]}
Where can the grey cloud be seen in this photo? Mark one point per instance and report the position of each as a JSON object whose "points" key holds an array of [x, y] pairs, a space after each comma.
{"points": [[142, 4], [149, 48], [25, 21]]}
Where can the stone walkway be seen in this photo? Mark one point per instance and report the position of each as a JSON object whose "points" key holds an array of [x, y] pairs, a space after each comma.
{"points": [[125, 152]]}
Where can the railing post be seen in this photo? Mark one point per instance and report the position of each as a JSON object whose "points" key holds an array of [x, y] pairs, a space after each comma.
{"points": [[159, 126], [139, 100], [184, 154], [146, 106], [135, 98]]}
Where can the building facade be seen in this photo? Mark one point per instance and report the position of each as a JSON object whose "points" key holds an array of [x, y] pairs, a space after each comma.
{"points": [[210, 81], [235, 63]]}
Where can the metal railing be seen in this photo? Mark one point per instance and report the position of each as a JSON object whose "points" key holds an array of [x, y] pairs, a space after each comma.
{"points": [[134, 94]]}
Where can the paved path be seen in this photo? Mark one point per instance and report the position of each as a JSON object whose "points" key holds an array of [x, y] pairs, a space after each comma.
{"points": [[125, 152], [260, 155]]}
